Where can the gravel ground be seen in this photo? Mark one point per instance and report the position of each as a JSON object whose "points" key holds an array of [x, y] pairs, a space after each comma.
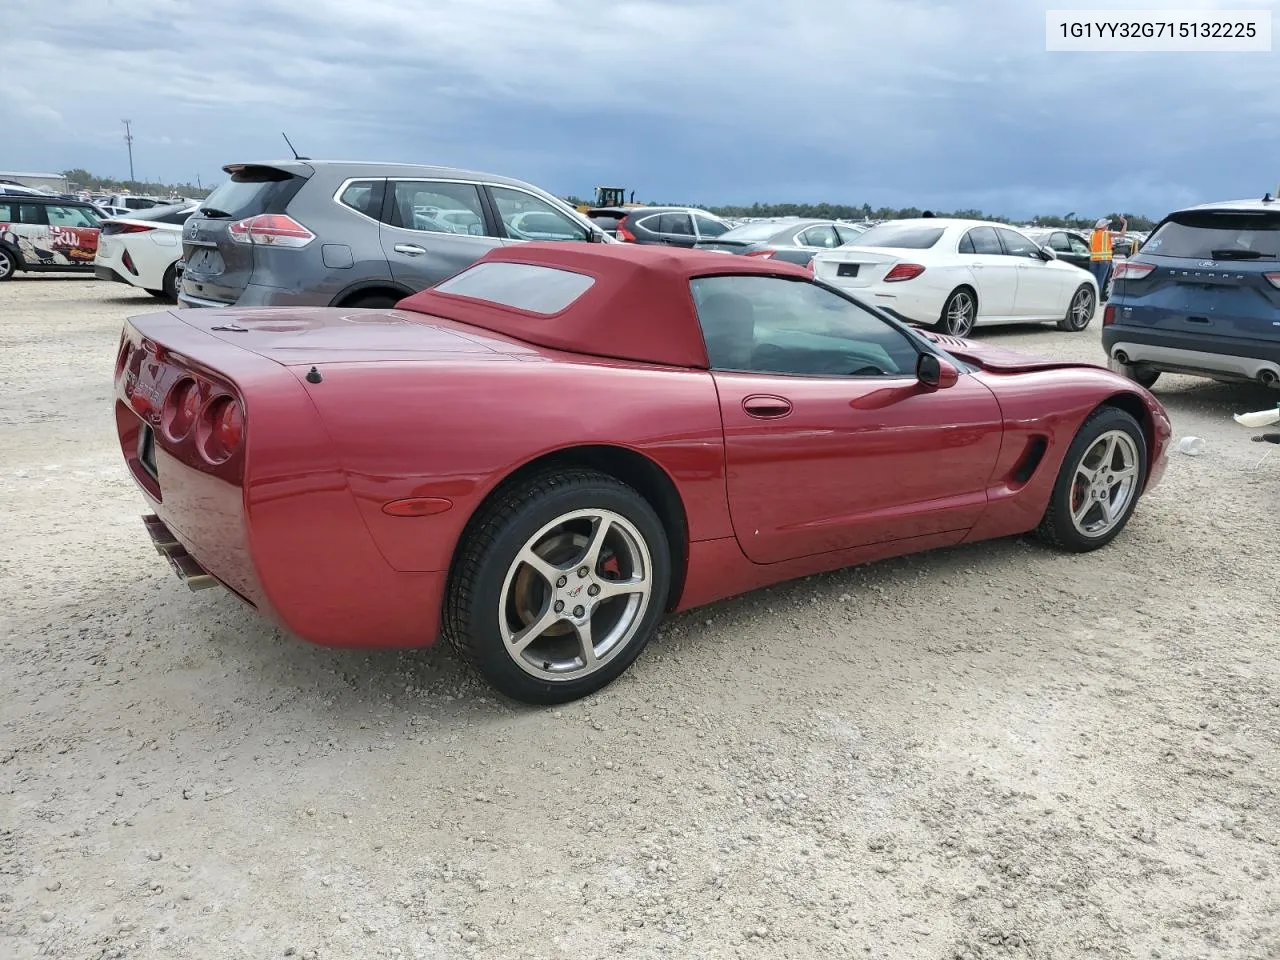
{"points": [[990, 751]]}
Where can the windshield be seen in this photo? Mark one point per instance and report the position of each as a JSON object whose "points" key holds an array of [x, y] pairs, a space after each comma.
{"points": [[753, 232], [1218, 235], [907, 236]]}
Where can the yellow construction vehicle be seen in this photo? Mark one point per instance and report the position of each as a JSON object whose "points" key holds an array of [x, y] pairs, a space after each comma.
{"points": [[610, 197]]}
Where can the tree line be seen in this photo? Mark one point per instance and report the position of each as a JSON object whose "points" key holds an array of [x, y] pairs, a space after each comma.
{"points": [[845, 211], [81, 179]]}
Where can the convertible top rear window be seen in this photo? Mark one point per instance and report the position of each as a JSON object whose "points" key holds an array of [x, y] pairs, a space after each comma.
{"points": [[544, 290]]}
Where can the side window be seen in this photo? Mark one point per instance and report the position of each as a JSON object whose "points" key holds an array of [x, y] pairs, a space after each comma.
{"points": [[678, 224], [70, 217], [966, 244], [794, 327], [984, 241], [1016, 245], [1078, 245], [364, 196], [527, 217], [425, 205], [6, 212], [822, 236], [847, 234], [1060, 243], [708, 227]]}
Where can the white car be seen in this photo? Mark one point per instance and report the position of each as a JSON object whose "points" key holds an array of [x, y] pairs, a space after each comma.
{"points": [[143, 249], [953, 275]]}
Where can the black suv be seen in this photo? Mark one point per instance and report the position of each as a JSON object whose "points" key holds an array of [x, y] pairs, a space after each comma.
{"points": [[1201, 297]]}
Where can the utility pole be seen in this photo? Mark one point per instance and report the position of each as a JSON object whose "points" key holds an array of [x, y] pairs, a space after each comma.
{"points": [[128, 139]]}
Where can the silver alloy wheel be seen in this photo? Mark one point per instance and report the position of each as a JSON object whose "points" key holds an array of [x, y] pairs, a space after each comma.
{"points": [[575, 594], [1081, 308], [6, 263], [1105, 483], [960, 314]]}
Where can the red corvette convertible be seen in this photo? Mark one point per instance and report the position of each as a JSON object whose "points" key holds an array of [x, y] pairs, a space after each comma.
{"points": [[543, 455]]}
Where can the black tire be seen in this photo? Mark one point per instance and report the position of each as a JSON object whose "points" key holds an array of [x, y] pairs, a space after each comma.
{"points": [[374, 301], [1058, 527], [9, 263], [169, 289], [475, 600], [948, 320], [1080, 309], [1142, 376]]}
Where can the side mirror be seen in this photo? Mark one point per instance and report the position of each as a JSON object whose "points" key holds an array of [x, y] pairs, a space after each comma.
{"points": [[936, 373], [1048, 254]]}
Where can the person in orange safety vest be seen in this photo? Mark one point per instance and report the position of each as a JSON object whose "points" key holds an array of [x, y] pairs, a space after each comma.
{"points": [[1101, 241]]}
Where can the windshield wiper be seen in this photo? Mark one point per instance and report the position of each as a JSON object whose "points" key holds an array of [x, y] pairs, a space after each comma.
{"points": [[1241, 255], [215, 213]]}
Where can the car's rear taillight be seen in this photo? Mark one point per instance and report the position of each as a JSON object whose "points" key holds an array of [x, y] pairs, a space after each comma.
{"points": [[128, 263], [270, 230], [181, 408], [904, 271], [762, 254], [1273, 279], [1109, 315], [111, 228], [625, 235], [220, 429], [1129, 270]]}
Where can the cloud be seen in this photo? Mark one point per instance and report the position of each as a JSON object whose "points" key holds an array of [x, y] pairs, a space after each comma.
{"points": [[949, 104]]}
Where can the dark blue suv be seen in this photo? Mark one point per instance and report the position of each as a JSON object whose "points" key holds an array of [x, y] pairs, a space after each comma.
{"points": [[1202, 297]]}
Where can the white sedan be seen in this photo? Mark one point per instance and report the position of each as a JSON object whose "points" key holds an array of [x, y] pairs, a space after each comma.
{"points": [[953, 275], [143, 249]]}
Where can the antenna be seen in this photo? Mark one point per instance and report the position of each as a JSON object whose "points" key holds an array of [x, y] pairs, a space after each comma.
{"points": [[295, 152]]}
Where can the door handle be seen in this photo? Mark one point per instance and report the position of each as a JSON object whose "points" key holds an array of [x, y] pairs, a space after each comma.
{"points": [[766, 408], [409, 249]]}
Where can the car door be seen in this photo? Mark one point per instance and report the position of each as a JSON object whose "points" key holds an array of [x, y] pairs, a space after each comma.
{"points": [[24, 230], [995, 275], [708, 228], [1079, 251], [831, 441], [675, 227], [421, 243], [523, 217], [1040, 292], [73, 233]]}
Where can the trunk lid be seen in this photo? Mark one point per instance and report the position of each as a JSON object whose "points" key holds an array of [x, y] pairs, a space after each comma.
{"points": [[1205, 272], [997, 359], [216, 267], [727, 246], [852, 267], [293, 337]]}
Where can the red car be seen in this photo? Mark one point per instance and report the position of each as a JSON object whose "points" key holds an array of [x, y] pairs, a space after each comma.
{"points": [[545, 454]]}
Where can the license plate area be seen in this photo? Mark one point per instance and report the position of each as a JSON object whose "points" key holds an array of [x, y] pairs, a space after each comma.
{"points": [[847, 269], [205, 260], [147, 451]]}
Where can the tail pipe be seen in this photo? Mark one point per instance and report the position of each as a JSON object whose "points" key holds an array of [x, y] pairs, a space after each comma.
{"points": [[184, 565], [1268, 377]]}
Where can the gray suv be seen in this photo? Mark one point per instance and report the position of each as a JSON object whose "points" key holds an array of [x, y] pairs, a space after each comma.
{"points": [[322, 233]]}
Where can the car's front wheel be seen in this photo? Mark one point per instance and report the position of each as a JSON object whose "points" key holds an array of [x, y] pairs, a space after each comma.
{"points": [[560, 584], [1080, 310], [8, 264], [1099, 484]]}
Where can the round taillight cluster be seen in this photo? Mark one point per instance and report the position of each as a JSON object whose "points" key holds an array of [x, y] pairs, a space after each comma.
{"points": [[221, 429], [181, 407]]}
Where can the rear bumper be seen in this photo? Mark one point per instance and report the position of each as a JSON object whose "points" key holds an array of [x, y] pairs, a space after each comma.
{"points": [[109, 273], [1225, 358]]}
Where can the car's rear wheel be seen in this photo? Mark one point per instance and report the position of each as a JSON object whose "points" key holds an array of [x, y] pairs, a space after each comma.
{"points": [[374, 301], [8, 264], [560, 584], [1143, 376], [959, 313], [1080, 310], [169, 285], [1099, 484]]}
